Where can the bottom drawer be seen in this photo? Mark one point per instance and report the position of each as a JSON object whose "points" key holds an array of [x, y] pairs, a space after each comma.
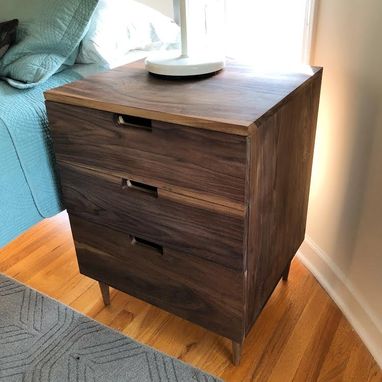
{"points": [[198, 290]]}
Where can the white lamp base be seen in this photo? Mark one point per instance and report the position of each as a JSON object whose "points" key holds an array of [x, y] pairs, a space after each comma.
{"points": [[180, 66]]}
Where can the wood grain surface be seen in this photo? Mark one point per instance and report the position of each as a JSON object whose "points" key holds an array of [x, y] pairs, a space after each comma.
{"points": [[300, 336], [172, 224], [280, 169], [194, 162], [231, 101], [142, 177], [174, 281]]}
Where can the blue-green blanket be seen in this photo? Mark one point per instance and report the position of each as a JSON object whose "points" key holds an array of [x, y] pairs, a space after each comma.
{"points": [[47, 42], [28, 186]]}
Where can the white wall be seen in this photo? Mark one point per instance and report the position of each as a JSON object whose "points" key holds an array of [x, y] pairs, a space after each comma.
{"points": [[165, 6], [344, 246]]}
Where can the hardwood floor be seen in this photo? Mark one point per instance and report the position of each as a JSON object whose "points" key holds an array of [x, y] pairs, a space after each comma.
{"points": [[300, 336]]}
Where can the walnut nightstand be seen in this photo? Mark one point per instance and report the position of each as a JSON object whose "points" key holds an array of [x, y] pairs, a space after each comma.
{"points": [[189, 194]]}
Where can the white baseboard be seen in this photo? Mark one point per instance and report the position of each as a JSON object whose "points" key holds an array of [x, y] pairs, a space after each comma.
{"points": [[345, 295]]}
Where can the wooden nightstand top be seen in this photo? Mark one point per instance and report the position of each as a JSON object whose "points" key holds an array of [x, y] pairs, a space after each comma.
{"points": [[231, 101]]}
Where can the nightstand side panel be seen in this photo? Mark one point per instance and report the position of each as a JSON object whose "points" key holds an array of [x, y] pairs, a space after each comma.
{"points": [[281, 158]]}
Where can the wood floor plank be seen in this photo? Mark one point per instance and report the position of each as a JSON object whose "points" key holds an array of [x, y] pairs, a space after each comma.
{"points": [[360, 366], [304, 330], [316, 348], [300, 336], [337, 358], [275, 342]]}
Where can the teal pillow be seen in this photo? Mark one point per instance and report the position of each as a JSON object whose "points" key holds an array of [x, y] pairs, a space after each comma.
{"points": [[48, 38]]}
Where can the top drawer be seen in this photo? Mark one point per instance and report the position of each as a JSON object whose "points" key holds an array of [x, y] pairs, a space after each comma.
{"points": [[201, 163]]}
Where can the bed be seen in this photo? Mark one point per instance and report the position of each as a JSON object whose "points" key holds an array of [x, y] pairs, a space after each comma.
{"points": [[29, 191]]}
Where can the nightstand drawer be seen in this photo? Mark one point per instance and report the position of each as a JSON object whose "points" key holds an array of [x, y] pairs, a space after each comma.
{"points": [[147, 214], [200, 163], [195, 289]]}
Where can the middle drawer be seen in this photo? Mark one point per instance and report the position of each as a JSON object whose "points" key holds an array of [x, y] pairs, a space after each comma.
{"points": [[153, 216]]}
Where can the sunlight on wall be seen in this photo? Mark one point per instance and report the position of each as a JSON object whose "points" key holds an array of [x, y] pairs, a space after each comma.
{"points": [[330, 172], [344, 219], [321, 150]]}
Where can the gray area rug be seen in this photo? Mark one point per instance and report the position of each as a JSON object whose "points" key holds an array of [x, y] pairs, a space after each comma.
{"points": [[44, 340]]}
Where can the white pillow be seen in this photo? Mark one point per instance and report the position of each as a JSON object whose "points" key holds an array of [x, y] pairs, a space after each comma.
{"points": [[119, 26]]}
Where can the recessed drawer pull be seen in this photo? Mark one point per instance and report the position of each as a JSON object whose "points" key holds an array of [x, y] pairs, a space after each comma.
{"points": [[142, 187], [135, 122], [147, 244]]}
